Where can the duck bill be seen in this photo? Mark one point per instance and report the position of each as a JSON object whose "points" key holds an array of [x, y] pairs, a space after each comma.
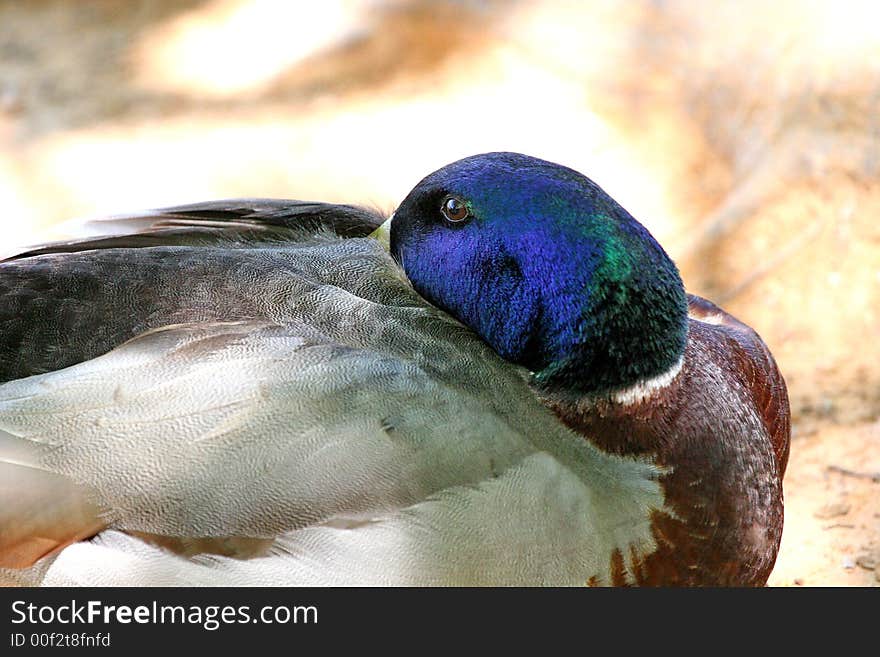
{"points": [[383, 234]]}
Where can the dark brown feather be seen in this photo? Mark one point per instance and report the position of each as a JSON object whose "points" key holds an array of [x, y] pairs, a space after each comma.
{"points": [[759, 368]]}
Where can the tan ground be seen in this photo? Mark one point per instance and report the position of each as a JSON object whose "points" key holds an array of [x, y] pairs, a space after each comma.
{"points": [[745, 135]]}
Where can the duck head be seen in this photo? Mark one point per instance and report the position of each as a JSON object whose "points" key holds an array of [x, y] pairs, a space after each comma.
{"points": [[547, 268]]}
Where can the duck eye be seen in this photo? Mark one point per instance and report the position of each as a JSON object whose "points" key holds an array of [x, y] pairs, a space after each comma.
{"points": [[455, 210]]}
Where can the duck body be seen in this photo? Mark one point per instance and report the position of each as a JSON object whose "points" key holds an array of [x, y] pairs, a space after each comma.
{"points": [[249, 392]]}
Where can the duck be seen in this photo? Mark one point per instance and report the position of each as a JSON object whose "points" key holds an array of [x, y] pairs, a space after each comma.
{"points": [[503, 384]]}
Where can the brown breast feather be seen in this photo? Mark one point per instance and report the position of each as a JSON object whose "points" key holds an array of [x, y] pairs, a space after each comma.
{"points": [[759, 368], [721, 428]]}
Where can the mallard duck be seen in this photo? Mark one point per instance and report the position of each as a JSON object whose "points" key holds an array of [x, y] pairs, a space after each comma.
{"points": [[515, 390]]}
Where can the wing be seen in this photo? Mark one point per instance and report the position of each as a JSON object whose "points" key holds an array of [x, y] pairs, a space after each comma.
{"points": [[241, 430], [210, 223], [63, 303], [403, 453]]}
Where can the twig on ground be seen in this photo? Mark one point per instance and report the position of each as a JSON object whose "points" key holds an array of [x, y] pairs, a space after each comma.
{"points": [[873, 476], [781, 256]]}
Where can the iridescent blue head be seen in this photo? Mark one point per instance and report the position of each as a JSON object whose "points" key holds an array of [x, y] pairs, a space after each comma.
{"points": [[547, 268]]}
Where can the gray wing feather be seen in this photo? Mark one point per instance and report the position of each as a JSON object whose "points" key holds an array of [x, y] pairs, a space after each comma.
{"points": [[211, 223]]}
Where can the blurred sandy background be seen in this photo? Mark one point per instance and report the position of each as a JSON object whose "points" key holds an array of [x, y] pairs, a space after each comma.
{"points": [[745, 135]]}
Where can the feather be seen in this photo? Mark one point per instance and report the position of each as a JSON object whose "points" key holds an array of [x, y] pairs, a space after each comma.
{"points": [[215, 222], [42, 511]]}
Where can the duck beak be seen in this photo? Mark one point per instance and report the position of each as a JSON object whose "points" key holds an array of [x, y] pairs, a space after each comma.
{"points": [[383, 234]]}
